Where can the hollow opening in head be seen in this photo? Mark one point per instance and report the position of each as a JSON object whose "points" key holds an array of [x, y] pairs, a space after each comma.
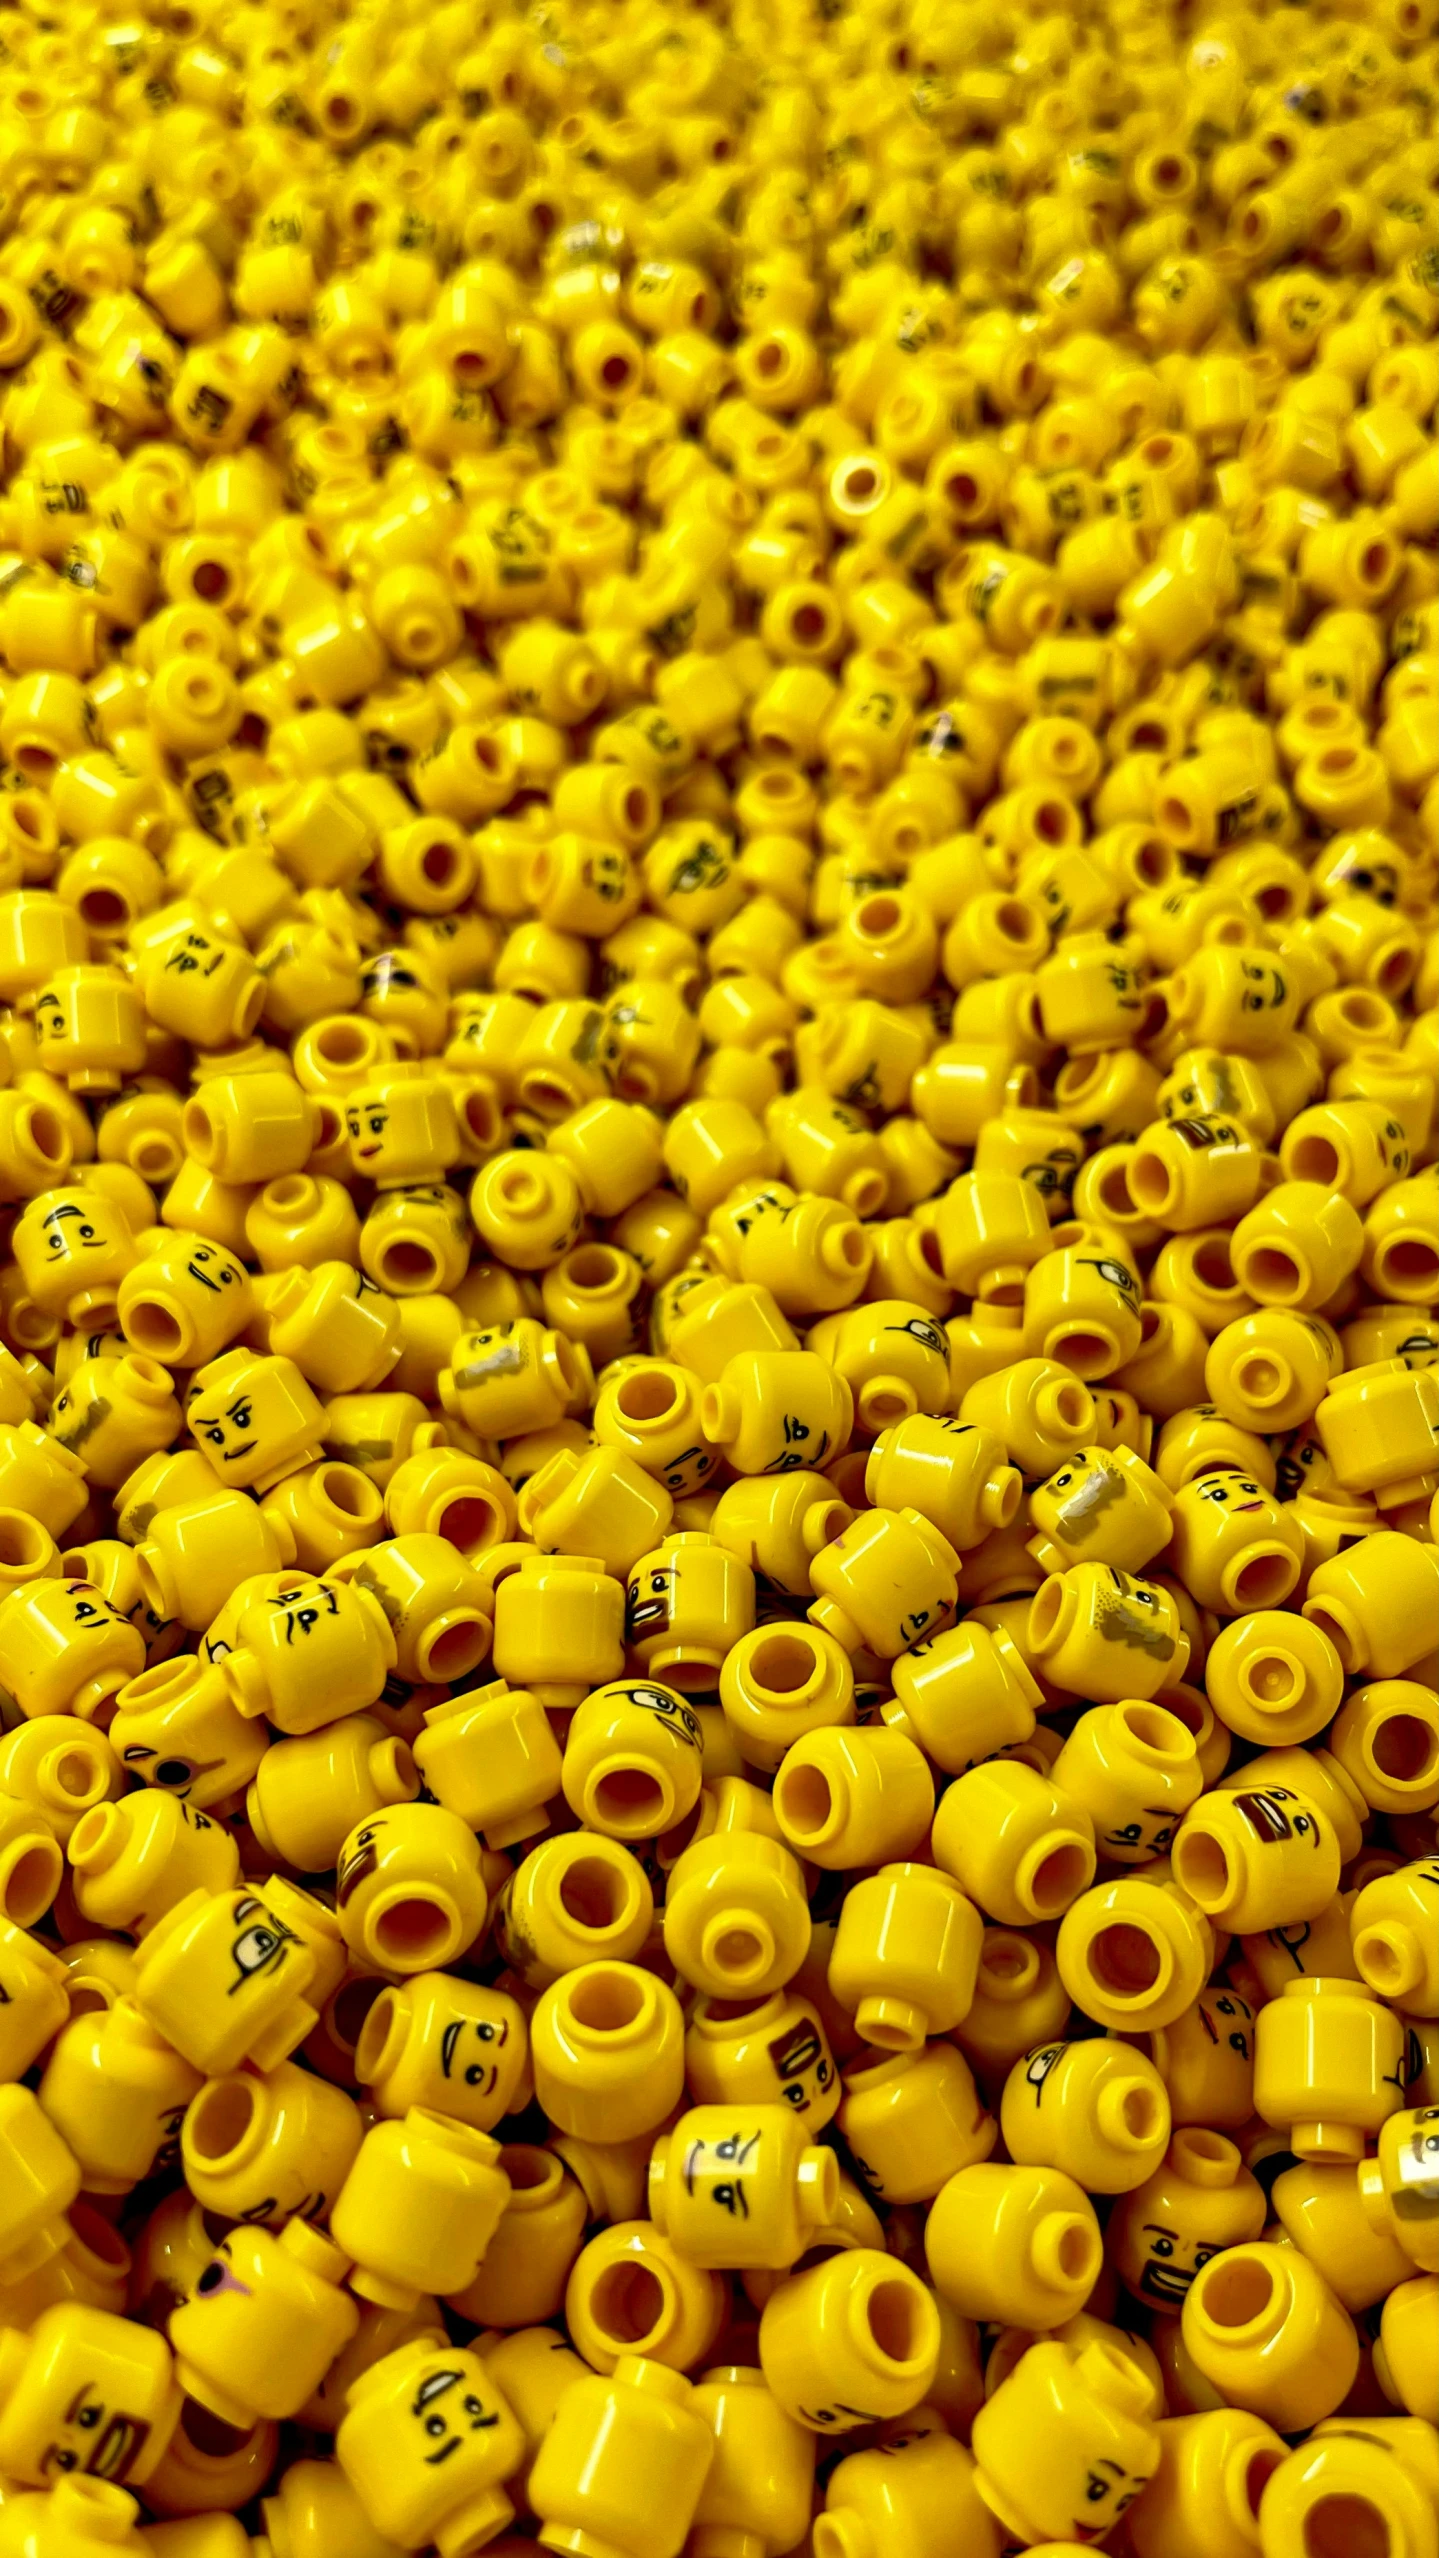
{"points": [[32, 1883], [1273, 1273], [591, 1894], [1386, 1966], [1404, 1749], [103, 909], [412, 1933], [1201, 1867], [892, 2314], [805, 1800], [1059, 1878], [349, 1492], [648, 1395], [530, 2170], [1410, 1264], [782, 1663], [1124, 1960], [211, 581], [1089, 1352], [606, 2002], [408, 1264], [1212, 1266], [23, 1542], [343, 1043], [1265, 1581], [1141, 2111], [808, 624], [594, 1266], [470, 1523], [737, 1952], [454, 1651], [1151, 1727], [1150, 1182], [1347, 2526], [1237, 2289], [221, 2116], [879, 916], [631, 1800], [628, 2304]]}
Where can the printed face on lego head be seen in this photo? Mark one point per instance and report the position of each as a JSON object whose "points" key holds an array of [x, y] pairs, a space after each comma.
{"points": [[71, 1227], [367, 1127], [260, 1944], [446, 2407], [469, 2051], [1416, 2195], [1106, 2491], [649, 1603], [166, 1769], [91, 1611], [359, 1858], [90, 2438], [213, 1268], [226, 1420], [1231, 1490], [1133, 1612], [670, 1710], [220, 2277], [1053, 1175], [1276, 1815], [803, 2064], [1115, 1274], [1170, 2262], [1084, 1487], [1264, 988]]}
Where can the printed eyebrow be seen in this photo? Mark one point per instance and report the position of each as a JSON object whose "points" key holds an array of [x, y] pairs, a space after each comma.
{"points": [[1159, 2229]]}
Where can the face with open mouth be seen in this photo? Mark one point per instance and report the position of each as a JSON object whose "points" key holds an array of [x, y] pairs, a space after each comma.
{"points": [[93, 2439]]}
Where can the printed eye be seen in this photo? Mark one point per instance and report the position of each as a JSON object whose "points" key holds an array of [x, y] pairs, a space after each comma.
{"points": [[1162, 2247], [255, 1949], [219, 2276]]}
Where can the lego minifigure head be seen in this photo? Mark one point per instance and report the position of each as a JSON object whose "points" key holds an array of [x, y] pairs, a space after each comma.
{"points": [[254, 1418], [402, 1129], [1091, 2412], [426, 2440], [1201, 2198], [84, 2392]]}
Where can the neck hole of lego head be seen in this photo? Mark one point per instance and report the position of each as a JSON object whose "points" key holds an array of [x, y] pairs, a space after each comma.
{"points": [[209, 2434], [782, 1664], [1388, 1964], [628, 2306], [103, 910], [879, 917], [808, 625], [96, 2236], [31, 1884], [344, 1043], [592, 1893], [454, 1651], [1212, 1265], [1009, 1963], [1404, 1749], [1410, 1264], [530, 2170], [738, 1950], [546, 1094], [350, 1492], [1149, 1181], [520, 1187], [46, 1133], [347, 2011], [1238, 2289], [1204, 2157], [470, 1523], [1274, 1274], [414, 1933], [1124, 1960], [1116, 1191], [1059, 1878], [23, 1542], [1201, 1867], [891, 2311], [808, 1804], [608, 2002], [632, 1800], [1152, 1727], [647, 1396], [154, 1329], [595, 1267], [1346, 2527], [1140, 2111], [1044, 1615], [1265, 1580], [221, 2117], [410, 1266], [290, 1194], [374, 2035]]}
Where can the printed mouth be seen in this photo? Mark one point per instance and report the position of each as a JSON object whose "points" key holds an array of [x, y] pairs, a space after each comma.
{"points": [[1166, 2282], [1241, 1508], [246, 1449], [116, 2448], [365, 1152], [654, 1612]]}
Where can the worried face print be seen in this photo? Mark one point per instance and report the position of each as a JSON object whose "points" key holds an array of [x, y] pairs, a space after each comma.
{"points": [[261, 1944], [445, 2410]]}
